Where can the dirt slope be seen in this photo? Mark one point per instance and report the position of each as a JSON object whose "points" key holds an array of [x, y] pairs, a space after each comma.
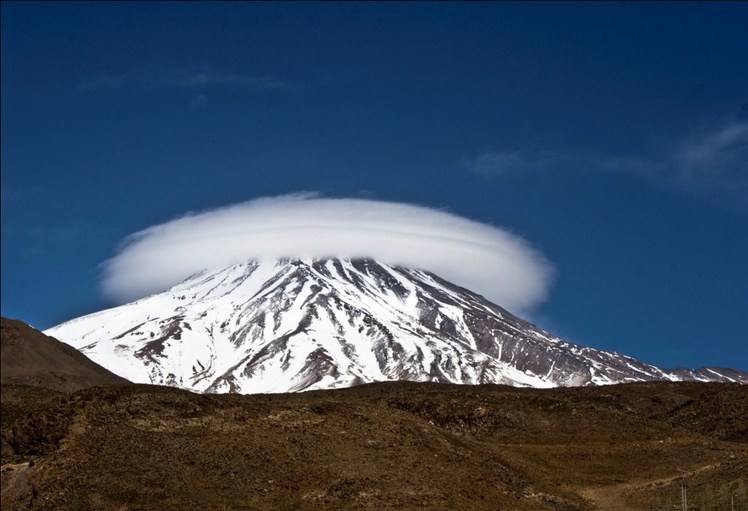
{"points": [[380, 446], [31, 358]]}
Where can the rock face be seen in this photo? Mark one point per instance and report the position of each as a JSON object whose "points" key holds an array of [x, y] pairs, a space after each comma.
{"points": [[31, 358], [300, 324]]}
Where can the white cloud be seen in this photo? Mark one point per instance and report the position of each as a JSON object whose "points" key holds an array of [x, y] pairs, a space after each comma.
{"points": [[715, 163], [508, 162], [483, 258], [726, 147], [199, 100], [498, 163], [712, 164], [194, 78]]}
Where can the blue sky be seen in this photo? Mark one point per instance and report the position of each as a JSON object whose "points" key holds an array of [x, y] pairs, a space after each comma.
{"points": [[611, 136]]}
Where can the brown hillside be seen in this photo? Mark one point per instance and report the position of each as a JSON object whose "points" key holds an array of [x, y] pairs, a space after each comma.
{"points": [[31, 358], [380, 446]]}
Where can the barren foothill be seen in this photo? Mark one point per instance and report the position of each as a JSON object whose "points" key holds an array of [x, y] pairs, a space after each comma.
{"points": [[381, 446]]}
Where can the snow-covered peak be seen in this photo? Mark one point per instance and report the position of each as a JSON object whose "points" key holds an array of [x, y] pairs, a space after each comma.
{"points": [[301, 324]]}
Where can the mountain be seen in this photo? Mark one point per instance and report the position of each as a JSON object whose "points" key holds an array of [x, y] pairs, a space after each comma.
{"points": [[29, 357], [301, 324]]}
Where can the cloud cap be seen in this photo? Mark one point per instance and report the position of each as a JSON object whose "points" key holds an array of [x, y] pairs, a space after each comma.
{"points": [[485, 259]]}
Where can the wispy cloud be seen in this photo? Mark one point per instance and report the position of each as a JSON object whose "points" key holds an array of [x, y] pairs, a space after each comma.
{"points": [[503, 163], [187, 78], [36, 240], [714, 163], [486, 259], [497, 163], [12, 195], [199, 100]]}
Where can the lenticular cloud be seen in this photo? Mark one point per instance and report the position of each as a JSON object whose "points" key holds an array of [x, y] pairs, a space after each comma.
{"points": [[479, 257]]}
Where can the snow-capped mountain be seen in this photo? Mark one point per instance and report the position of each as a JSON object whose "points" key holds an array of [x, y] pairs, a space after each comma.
{"points": [[300, 324]]}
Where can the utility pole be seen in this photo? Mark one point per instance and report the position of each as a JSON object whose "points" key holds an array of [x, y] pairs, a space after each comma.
{"points": [[683, 497], [732, 502]]}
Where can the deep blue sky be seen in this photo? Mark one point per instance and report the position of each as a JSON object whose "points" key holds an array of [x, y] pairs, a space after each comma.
{"points": [[613, 136]]}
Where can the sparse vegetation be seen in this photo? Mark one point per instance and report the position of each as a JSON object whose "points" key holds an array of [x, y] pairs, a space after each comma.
{"points": [[381, 446]]}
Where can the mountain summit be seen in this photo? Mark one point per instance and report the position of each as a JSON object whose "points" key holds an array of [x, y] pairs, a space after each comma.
{"points": [[302, 324]]}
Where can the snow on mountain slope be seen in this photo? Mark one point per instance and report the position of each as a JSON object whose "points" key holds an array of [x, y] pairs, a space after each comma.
{"points": [[300, 324]]}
